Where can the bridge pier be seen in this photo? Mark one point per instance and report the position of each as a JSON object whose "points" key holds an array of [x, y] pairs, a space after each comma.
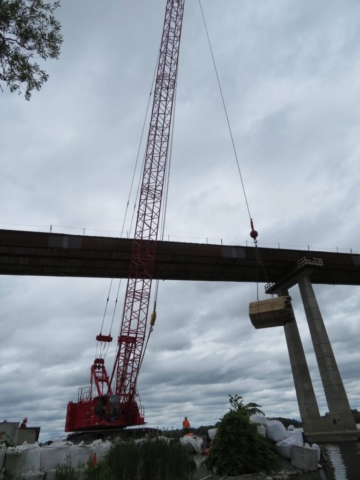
{"points": [[340, 417], [308, 407], [339, 423]]}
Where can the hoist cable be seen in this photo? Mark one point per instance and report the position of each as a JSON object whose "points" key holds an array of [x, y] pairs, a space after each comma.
{"points": [[113, 316], [103, 320], [253, 233], [225, 109]]}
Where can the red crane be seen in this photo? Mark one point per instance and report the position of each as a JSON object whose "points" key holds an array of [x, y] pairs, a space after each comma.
{"points": [[117, 407]]}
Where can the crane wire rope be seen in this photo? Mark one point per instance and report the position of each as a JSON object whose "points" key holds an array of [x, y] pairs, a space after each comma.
{"points": [[225, 110], [253, 233], [102, 348]]}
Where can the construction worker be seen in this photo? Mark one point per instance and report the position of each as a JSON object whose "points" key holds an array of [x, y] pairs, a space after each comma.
{"points": [[186, 426], [24, 423]]}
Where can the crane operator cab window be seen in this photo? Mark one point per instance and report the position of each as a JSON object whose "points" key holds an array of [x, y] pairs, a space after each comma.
{"points": [[107, 407]]}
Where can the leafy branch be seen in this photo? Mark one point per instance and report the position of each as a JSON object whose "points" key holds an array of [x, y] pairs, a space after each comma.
{"points": [[28, 31]]}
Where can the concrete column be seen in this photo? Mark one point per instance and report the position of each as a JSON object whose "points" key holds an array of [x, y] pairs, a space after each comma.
{"points": [[308, 407], [340, 416]]}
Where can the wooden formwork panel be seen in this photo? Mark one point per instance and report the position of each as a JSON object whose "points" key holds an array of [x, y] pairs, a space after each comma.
{"points": [[275, 312]]}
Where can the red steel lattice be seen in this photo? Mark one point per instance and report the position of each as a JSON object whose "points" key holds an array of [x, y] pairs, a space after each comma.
{"points": [[137, 297]]}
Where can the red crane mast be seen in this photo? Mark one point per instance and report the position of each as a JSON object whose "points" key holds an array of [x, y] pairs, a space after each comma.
{"points": [[118, 408]]}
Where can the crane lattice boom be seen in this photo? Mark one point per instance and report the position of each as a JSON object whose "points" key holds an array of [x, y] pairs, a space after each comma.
{"points": [[114, 408], [137, 298]]}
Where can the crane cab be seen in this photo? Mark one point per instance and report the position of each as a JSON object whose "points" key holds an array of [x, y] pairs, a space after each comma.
{"points": [[107, 407]]}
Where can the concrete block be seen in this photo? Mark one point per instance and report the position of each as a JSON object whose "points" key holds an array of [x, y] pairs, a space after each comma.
{"points": [[304, 458], [9, 432]]}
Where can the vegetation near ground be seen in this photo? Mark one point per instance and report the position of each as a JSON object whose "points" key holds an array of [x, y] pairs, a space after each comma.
{"points": [[152, 459], [238, 448]]}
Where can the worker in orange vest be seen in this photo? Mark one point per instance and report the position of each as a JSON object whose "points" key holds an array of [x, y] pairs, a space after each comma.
{"points": [[186, 426]]}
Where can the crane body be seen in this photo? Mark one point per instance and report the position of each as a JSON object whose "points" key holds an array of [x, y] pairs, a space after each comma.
{"points": [[101, 406]]}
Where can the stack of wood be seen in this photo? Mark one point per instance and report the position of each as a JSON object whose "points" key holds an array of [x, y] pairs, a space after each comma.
{"points": [[275, 312]]}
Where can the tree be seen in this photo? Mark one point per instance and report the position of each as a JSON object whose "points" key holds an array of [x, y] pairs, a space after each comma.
{"points": [[238, 448], [28, 30]]}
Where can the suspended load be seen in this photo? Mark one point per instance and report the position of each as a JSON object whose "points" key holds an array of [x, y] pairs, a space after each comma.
{"points": [[275, 312]]}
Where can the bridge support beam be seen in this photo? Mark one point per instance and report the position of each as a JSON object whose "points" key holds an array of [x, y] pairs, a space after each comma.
{"points": [[340, 417], [308, 407]]}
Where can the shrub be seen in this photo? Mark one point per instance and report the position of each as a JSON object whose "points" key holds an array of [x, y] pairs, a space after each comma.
{"points": [[237, 448], [154, 459], [66, 471]]}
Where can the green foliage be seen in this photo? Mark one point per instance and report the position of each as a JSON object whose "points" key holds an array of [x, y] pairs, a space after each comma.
{"points": [[66, 471], [152, 459], [6, 440], [28, 30], [237, 448], [236, 403]]}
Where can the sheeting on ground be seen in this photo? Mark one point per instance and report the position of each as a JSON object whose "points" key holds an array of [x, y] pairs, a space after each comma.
{"points": [[275, 431], [261, 430], [316, 447], [56, 454], [193, 444], [33, 475], [22, 459], [100, 448], [297, 434], [258, 418], [283, 448], [304, 458], [31, 462], [212, 433]]}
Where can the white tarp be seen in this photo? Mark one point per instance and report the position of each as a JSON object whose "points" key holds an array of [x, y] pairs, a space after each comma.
{"points": [[100, 448], [261, 430], [212, 433], [304, 458], [258, 418], [275, 431], [80, 455], [316, 447], [297, 434], [284, 447], [33, 475], [193, 443], [55, 454], [21, 459]]}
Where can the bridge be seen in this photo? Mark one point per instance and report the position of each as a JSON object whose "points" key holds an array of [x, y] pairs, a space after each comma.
{"points": [[61, 255]]}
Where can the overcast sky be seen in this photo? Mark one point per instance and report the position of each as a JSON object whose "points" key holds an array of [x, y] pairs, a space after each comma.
{"points": [[290, 77]]}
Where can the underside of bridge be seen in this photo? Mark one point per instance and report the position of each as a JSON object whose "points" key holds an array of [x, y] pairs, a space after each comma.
{"points": [[60, 255]]}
